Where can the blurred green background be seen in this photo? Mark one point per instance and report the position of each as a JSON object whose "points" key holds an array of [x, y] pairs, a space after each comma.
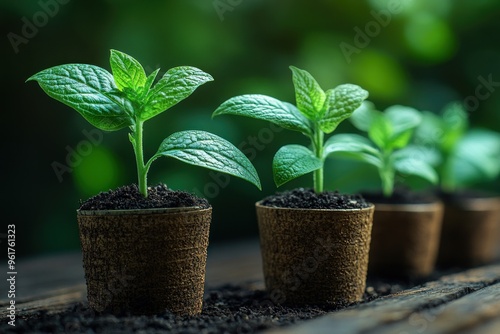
{"points": [[422, 53]]}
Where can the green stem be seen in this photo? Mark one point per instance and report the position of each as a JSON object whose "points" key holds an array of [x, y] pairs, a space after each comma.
{"points": [[139, 158], [387, 175], [318, 151]]}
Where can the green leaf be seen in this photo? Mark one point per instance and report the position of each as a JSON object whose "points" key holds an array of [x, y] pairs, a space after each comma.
{"points": [[354, 147], [363, 117], [476, 158], [127, 72], [207, 150], [340, 103], [176, 85], [416, 167], [85, 88], [268, 109], [381, 132], [309, 96], [292, 161], [402, 118], [454, 124], [430, 131], [149, 83]]}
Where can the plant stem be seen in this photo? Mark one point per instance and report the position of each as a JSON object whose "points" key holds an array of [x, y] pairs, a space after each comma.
{"points": [[139, 158], [387, 175], [318, 151]]}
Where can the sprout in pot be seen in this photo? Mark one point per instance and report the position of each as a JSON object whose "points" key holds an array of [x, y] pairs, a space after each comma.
{"points": [[301, 227], [158, 249], [465, 157], [406, 227]]}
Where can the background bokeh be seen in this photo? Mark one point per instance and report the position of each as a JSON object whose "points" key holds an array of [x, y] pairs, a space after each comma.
{"points": [[422, 53]]}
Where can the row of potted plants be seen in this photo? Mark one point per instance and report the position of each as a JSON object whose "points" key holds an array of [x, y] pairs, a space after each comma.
{"points": [[144, 248]]}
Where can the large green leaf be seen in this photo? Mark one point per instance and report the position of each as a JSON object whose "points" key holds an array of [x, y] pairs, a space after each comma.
{"points": [[292, 161], [340, 103], [85, 88], [416, 167], [309, 96], [127, 71], [207, 150], [268, 109], [354, 147], [176, 85]]}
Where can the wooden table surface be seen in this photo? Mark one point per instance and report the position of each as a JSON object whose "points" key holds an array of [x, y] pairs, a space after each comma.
{"points": [[464, 302]]}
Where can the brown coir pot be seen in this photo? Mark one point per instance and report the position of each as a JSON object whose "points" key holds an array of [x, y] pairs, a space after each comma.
{"points": [[314, 256], [405, 239], [145, 261], [471, 232]]}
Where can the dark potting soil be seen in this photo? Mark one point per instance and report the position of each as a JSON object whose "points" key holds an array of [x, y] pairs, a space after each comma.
{"points": [[458, 197], [400, 196], [305, 198], [227, 309], [129, 198]]}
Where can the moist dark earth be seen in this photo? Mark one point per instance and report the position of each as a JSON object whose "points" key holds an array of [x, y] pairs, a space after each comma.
{"points": [[227, 309], [305, 198], [129, 198]]}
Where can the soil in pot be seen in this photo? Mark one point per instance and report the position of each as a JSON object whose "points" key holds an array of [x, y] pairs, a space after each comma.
{"points": [[405, 235], [314, 246], [145, 260], [471, 229]]}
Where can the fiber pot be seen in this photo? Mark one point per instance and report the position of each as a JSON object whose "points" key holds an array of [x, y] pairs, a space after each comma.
{"points": [[471, 232], [314, 256], [405, 239], [145, 261]]}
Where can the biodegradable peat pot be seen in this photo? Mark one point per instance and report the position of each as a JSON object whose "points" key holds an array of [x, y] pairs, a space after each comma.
{"points": [[471, 232], [405, 239], [314, 256], [145, 261]]}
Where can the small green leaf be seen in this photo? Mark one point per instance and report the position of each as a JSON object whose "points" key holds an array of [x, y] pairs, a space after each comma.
{"points": [[381, 132], [85, 88], [309, 96], [127, 71], [268, 109], [149, 83], [292, 161], [340, 103], [176, 85], [454, 124], [354, 147], [416, 167], [207, 150], [363, 117]]}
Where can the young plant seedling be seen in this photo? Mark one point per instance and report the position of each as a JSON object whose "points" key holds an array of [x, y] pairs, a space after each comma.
{"points": [[461, 156], [389, 150], [128, 98], [316, 113]]}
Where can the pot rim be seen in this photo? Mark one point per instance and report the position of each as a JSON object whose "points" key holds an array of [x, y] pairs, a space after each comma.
{"points": [[141, 211], [410, 207], [370, 207], [476, 204]]}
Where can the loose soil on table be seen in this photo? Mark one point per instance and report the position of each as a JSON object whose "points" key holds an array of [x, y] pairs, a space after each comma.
{"points": [[308, 199], [129, 198], [227, 309]]}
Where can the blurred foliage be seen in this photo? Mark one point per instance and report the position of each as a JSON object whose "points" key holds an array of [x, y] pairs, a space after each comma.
{"points": [[424, 54]]}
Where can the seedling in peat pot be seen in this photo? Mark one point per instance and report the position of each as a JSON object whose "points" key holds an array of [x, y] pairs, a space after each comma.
{"points": [[389, 151], [316, 113], [461, 156], [128, 98]]}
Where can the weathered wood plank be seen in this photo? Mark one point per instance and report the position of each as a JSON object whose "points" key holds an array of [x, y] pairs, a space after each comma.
{"points": [[461, 315], [401, 307]]}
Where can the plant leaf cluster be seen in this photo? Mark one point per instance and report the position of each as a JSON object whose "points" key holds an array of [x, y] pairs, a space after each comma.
{"points": [[128, 97], [316, 113]]}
